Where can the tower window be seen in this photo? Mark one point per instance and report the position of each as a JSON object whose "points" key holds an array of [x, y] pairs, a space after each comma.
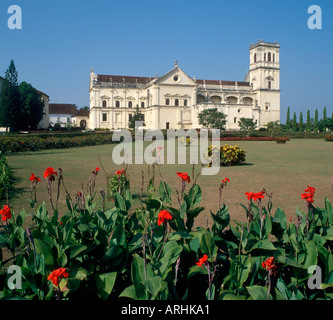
{"points": [[255, 58], [117, 104], [265, 56], [130, 104], [269, 84], [167, 102], [185, 102], [235, 120], [269, 57], [104, 104], [177, 102], [273, 57]]}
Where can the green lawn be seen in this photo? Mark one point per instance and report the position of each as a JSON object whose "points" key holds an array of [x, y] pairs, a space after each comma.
{"points": [[284, 170]]}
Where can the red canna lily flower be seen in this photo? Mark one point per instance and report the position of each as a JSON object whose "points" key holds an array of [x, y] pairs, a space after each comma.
{"points": [[96, 170], [163, 217], [202, 261], [184, 176], [6, 213], [225, 180], [308, 195], [120, 172], [33, 178], [255, 196], [270, 265], [50, 174], [56, 275]]}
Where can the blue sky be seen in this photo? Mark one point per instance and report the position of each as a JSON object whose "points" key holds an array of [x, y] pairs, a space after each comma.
{"points": [[61, 40]]}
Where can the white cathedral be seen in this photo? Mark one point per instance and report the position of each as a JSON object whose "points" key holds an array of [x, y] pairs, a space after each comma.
{"points": [[174, 100]]}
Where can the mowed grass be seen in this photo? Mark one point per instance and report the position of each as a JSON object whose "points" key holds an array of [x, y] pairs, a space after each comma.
{"points": [[284, 170]]}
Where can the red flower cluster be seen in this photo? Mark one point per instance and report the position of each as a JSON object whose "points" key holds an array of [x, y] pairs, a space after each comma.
{"points": [[6, 213], [33, 178], [184, 176], [202, 261], [309, 194], [50, 174], [225, 180], [255, 196], [270, 265], [163, 217], [56, 275], [120, 172]]}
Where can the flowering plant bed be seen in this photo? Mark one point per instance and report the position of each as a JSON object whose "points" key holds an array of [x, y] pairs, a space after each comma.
{"points": [[157, 252]]}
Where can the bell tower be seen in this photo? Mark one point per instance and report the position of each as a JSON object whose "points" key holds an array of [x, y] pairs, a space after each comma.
{"points": [[264, 76]]}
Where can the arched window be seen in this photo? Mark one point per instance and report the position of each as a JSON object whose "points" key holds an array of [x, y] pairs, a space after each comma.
{"points": [[269, 84], [177, 102], [104, 104], [167, 102], [185, 103], [269, 57], [255, 58], [142, 104], [130, 104], [117, 104]]}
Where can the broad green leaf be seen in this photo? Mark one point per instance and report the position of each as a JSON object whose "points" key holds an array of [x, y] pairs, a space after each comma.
{"points": [[153, 285], [258, 293], [105, 283], [43, 249], [311, 254], [76, 250], [263, 245]]}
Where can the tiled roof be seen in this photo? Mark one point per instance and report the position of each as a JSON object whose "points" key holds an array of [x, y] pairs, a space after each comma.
{"points": [[121, 79], [226, 83], [83, 113], [58, 108]]}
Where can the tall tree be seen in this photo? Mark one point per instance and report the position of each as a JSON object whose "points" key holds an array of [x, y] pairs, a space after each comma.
{"points": [[10, 99], [138, 116], [294, 122], [301, 123], [247, 125], [288, 119], [325, 114], [212, 119], [316, 122], [308, 121], [32, 107]]}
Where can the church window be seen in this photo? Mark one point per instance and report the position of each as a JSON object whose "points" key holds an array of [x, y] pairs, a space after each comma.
{"points": [[104, 117], [185, 103], [273, 57], [265, 56], [269, 84], [104, 104], [176, 78], [255, 58], [235, 120], [167, 102], [117, 104], [177, 102], [269, 57], [130, 104], [142, 104]]}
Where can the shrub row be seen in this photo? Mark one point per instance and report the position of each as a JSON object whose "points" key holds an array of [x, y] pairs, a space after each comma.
{"points": [[6, 177], [24, 144]]}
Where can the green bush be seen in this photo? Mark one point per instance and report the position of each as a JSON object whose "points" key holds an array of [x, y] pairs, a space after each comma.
{"points": [[6, 177], [229, 155]]}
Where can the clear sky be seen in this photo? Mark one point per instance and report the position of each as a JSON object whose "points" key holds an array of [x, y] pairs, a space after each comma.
{"points": [[61, 40]]}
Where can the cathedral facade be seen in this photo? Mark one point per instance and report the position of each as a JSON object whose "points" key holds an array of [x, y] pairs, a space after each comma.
{"points": [[174, 100]]}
